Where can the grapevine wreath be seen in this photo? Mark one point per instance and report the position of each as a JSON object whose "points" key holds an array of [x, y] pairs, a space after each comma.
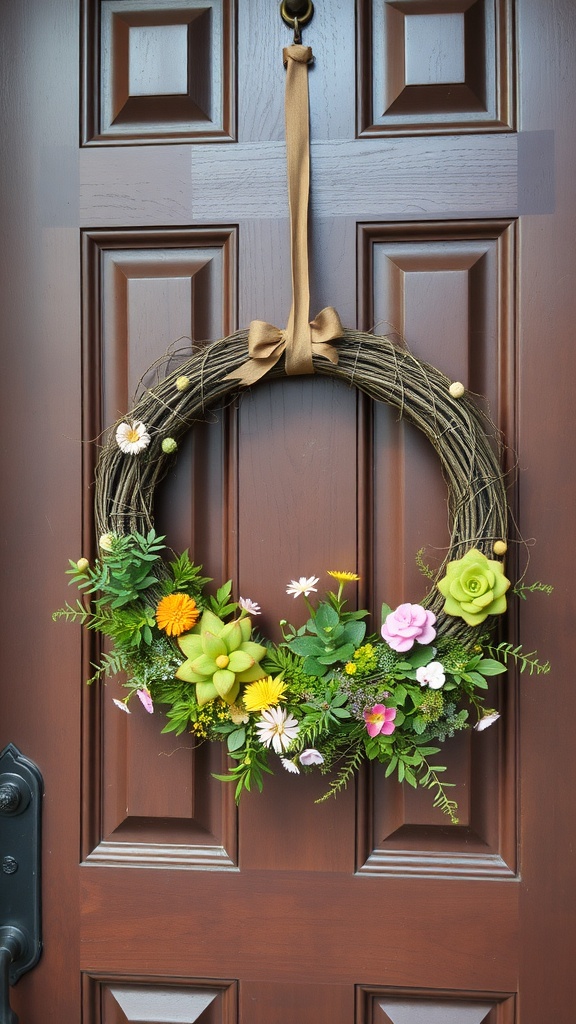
{"points": [[331, 694]]}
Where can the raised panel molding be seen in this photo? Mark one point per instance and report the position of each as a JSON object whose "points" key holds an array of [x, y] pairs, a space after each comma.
{"points": [[153, 798], [449, 290], [389, 1006], [434, 66], [152, 292], [131, 1000], [158, 71]]}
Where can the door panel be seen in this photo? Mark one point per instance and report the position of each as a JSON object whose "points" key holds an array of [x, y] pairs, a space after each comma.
{"points": [[164, 223]]}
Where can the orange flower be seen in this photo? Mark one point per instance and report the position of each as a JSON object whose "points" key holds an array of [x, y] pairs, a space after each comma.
{"points": [[177, 613]]}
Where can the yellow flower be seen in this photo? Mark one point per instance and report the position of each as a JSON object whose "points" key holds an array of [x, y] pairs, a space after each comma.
{"points": [[343, 577], [350, 668], [176, 614], [264, 693]]}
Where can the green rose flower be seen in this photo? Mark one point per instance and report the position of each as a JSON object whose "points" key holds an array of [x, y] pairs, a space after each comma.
{"points": [[474, 587]]}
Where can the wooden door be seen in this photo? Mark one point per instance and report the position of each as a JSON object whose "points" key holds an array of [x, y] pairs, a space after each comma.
{"points": [[143, 191]]}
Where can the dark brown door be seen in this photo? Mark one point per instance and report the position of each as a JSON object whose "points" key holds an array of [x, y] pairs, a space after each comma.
{"points": [[143, 191]]}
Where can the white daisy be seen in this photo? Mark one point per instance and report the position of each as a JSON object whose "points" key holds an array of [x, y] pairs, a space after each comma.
{"points": [[488, 719], [305, 585], [249, 606], [132, 438], [290, 766], [277, 729]]}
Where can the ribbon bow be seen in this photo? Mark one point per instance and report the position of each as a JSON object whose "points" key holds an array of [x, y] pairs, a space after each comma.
{"points": [[301, 340], [266, 344]]}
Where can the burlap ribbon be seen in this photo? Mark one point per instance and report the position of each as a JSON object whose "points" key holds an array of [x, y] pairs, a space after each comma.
{"points": [[301, 339]]}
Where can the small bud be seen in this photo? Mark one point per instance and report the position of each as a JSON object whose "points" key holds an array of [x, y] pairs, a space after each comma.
{"points": [[183, 383], [456, 389], [500, 547], [82, 564], [106, 541], [169, 445]]}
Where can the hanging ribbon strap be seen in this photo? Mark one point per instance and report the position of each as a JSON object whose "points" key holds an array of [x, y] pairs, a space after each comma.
{"points": [[301, 339]]}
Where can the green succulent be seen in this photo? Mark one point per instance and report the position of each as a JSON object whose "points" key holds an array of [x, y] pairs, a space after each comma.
{"points": [[332, 641], [474, 587], [219, 657]]}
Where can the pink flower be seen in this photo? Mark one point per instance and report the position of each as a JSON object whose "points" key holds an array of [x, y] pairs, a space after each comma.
{"points": [[408, 623], [146, 700], [380, 719]]}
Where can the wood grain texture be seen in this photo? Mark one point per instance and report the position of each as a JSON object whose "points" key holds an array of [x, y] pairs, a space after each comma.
{"points": [[308, 946], [315, 903], [547, 491], [398, 179]]}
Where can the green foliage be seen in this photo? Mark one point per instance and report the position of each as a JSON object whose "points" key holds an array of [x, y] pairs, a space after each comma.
{"points": [[327, 641], [332, 676], [185, 576], [429, 780], [73, 613], [181, 713], [324, 714], [525, 662], [221, 604], [123, 574], [451, 721], [111, 664], [422, 566], [352, 759], [522, 589], [248, 772]]}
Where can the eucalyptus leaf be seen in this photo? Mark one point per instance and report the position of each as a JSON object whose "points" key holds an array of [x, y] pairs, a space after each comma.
{"points": [[236, 739], [489, 667]]}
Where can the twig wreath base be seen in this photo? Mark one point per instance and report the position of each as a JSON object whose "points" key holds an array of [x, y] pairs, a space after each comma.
{"points": [[327, 696], [376, 366]]}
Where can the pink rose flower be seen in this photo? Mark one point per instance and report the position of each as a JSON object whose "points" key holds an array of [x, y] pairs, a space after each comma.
{"points": [[408, 623], [380, 719]]}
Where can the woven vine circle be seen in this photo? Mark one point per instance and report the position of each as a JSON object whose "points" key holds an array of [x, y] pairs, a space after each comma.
{"points": [[377, 366]]}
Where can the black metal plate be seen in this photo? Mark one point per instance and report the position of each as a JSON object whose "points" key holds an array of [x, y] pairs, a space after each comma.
{"points": [[20, 847]]}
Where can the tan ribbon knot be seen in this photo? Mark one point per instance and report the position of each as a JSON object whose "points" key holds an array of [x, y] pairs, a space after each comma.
{"points": [[266, 344]]}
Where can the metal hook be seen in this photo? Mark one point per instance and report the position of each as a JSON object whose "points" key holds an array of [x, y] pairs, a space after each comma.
{"points": [[296, 14]]}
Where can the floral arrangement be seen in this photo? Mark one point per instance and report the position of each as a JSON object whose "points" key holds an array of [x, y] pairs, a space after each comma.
{"points": [[328, 696]]}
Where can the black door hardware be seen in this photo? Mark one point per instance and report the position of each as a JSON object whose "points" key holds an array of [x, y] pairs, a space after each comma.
{"points": [[20, 925]]}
